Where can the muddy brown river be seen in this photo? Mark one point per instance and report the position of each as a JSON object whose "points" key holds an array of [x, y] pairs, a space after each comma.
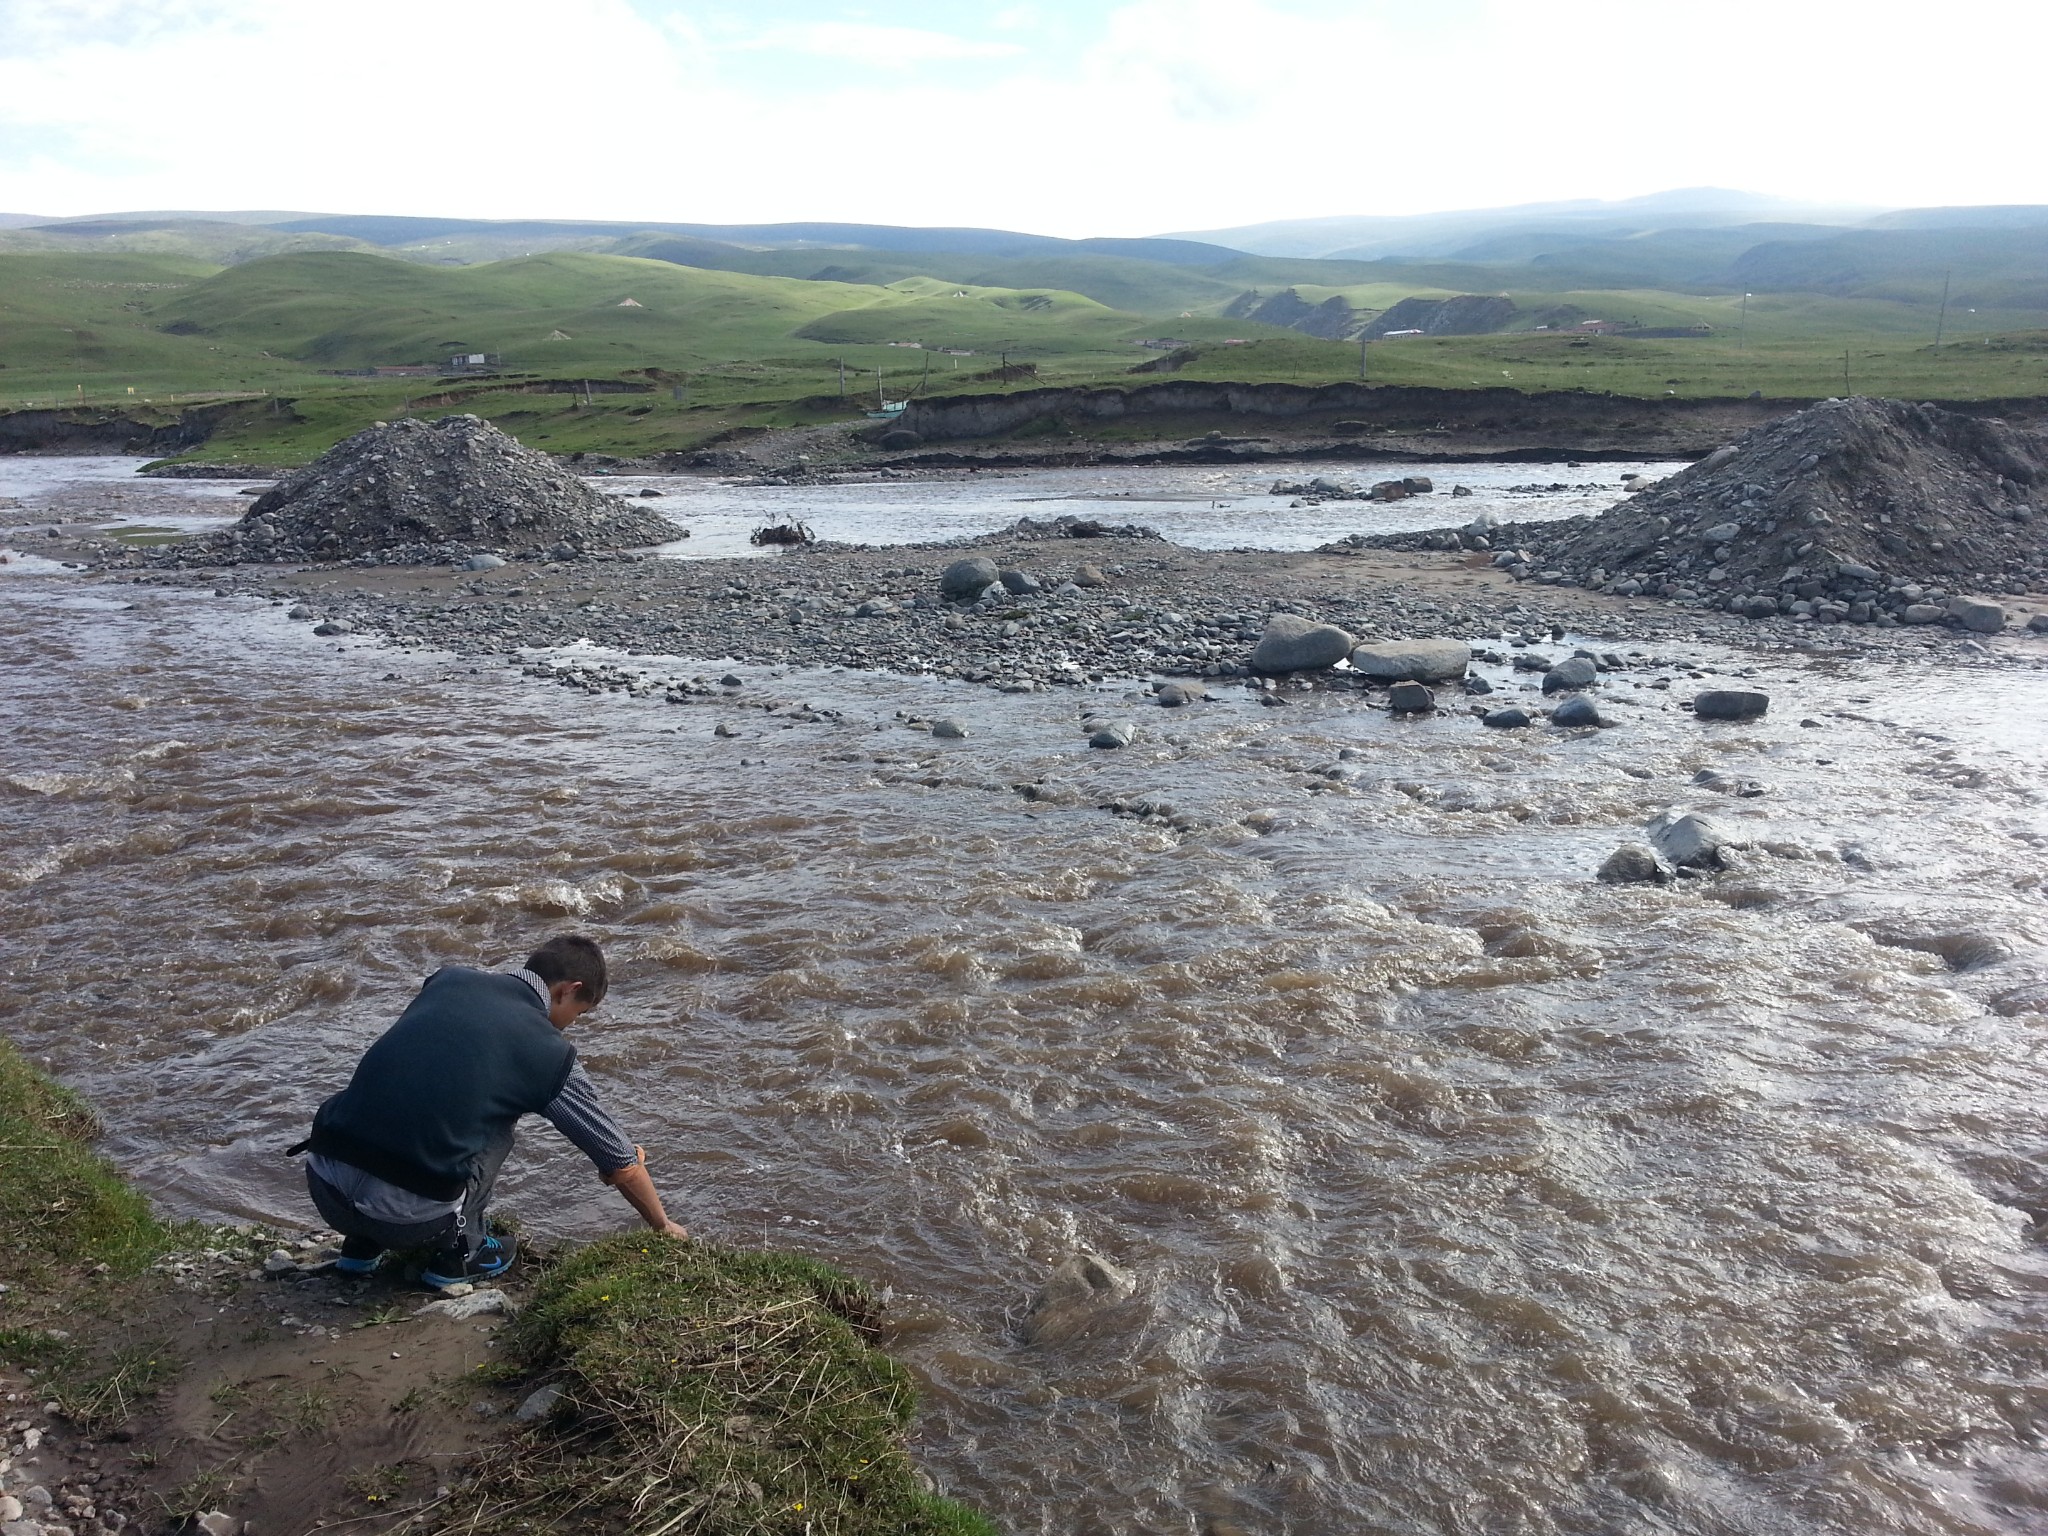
{"points": [[1464, 1194]]}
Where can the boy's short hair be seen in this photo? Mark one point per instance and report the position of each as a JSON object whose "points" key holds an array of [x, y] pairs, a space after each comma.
{"points": [[571, 957]]}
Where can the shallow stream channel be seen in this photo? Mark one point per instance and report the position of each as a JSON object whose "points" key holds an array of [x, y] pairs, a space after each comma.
{"points": [[1460, 1192]]}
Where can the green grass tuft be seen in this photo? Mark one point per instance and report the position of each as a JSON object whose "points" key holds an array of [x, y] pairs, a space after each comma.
{"points": [[63, 1209], [709, 1390]]}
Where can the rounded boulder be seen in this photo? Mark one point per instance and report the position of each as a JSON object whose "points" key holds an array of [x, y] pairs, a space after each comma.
{"points": [[1730, 704], [965, 580], [1570, 674], [1412, 661], [1292, 643], [1576, 711]]}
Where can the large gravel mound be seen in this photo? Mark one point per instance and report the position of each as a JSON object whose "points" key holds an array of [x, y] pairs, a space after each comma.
{"points": [[1852, 509], [1874, 501], [423, 491]]}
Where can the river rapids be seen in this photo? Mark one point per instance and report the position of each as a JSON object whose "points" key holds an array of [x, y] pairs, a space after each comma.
{"points": [[1463, 1194]]}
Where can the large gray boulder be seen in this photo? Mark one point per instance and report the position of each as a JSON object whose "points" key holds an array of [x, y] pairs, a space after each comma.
{"points": [[1978, 617], [1412, 661], [1411, 699], [1688, 840], [1292, 643], [1730, 704], [1635, 864], [1578, 710], [1573, 673], [1109, 735], [1022, 583], [965, 580]]}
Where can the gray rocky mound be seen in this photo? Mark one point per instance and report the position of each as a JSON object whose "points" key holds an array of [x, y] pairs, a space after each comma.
{"points": [[420, 491], [1871, 496], [1852, 510]]}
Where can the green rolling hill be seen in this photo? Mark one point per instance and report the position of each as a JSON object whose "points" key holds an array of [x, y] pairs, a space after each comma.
{"points": [[582, 313], [704, 329]]}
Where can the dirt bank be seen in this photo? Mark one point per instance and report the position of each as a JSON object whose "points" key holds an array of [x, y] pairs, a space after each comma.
{"points": [[1181, 419], [1172, 421], [89, 429]]}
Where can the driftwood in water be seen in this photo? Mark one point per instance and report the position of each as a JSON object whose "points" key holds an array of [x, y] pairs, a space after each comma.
{"points": [[784, 533]]}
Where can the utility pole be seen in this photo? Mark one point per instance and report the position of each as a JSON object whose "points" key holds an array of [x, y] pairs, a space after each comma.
{"points": [[1361, 357], [1845, 373], [1941, 318]]}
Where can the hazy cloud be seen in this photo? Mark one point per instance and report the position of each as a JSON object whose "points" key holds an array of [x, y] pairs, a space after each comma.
{"points": [[1129, 119], [877, 47]]}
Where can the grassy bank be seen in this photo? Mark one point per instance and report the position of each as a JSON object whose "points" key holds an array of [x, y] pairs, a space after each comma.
{"points": [[708, 1390], [63, 1209], [702, 1389]]}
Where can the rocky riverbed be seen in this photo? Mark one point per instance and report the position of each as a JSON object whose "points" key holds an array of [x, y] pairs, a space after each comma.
{"points": [[1149, 609]]}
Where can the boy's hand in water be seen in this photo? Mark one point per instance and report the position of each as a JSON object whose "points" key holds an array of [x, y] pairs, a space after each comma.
{"points": [[632, 1182]]}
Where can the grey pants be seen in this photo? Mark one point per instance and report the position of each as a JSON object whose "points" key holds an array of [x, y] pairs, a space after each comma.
{"points": [[460, 1230]]}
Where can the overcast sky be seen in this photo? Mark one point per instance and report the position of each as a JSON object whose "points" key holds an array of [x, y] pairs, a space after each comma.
{"points": [[1050, 115]]}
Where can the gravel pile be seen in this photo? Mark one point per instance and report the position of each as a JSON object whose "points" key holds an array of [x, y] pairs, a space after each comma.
{"points": [[1861, 511], [415, 492]]}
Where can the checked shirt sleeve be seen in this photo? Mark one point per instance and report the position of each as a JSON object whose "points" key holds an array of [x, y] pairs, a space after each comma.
{"points": [[579, 1115]]}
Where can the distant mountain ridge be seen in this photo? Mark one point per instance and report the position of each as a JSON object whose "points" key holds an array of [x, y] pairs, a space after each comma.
{"points": [[391, 230], [1368, 237]]}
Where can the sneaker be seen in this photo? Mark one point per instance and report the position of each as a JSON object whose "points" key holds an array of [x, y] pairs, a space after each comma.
{"points": [[487, 1260], [358, 1257]]}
